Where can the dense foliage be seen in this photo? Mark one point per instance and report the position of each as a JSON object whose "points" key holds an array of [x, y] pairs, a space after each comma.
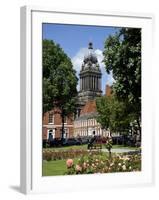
{"points": [[112, 114], [59, 80], [122, 57]]}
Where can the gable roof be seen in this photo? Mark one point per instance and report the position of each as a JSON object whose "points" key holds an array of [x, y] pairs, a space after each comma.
{"points": [[89, 107]]}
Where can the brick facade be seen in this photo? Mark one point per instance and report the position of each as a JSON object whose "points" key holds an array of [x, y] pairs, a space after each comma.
{"points": [[54, 126], [86, 123]]}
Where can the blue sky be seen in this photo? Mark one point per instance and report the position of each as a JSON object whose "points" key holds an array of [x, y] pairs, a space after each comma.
{"points": [[74, 40]]}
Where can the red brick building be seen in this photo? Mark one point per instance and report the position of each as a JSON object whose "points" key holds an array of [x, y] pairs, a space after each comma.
{"points": [[52, 125], [83, 125]]}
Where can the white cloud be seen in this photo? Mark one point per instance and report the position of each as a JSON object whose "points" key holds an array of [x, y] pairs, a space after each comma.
{"points": [[110, 79], [107, 78], [100, 57], [78, 59], [77, 63]]}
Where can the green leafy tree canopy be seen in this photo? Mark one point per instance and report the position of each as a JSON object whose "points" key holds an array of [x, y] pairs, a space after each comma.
{"points": [[112, 114], [122, 57], [59, 80]]}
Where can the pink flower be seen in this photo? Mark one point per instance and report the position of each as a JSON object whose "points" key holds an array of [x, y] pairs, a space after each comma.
{"points": [[69, 163], [78, 168]]}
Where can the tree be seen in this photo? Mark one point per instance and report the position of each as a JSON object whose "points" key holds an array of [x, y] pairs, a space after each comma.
{"points": [[122, 57], [112, 114], [59, 81]]}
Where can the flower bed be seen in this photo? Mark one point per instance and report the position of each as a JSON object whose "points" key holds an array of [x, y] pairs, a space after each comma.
{"points": [[59, 155], [100, 164]]}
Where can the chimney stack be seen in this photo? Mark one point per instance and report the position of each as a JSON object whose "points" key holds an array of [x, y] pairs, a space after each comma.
{"points": [[108, 90]]}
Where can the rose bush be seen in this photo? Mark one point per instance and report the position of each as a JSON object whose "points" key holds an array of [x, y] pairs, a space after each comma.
{"points": [[69, 163], [101, 164]]}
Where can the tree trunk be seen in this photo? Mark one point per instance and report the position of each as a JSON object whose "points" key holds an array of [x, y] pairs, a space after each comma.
{"points": [[110, 154], [63, 127], [110, 133]]}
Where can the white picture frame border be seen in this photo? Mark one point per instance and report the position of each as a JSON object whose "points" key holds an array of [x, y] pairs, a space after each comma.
{"points": [[31, 106]]}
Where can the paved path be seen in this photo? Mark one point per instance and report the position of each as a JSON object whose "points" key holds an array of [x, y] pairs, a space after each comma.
{"points": [[120, 150]]}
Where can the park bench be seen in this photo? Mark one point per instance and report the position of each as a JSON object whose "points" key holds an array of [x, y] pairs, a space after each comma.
{"points": [[95, 145]]}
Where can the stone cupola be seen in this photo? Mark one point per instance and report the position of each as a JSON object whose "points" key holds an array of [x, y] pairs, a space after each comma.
{"points": [[90, 77]]}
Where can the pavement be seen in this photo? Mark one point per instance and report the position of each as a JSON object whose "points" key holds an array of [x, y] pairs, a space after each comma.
{"points": [[120, 150]]}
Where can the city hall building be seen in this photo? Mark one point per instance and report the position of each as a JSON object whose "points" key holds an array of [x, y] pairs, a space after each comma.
{"points": [[85, 123]]}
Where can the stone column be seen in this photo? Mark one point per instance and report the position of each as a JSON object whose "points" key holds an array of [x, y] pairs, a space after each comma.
{"points": [[95, 82], [87, 82], [80, 84], [83, 83], [99, 84], [91, 82]]}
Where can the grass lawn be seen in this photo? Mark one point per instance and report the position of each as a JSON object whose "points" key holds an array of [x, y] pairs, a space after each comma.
{"points": [[54, 168], [58, 167], [84, 147]]}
